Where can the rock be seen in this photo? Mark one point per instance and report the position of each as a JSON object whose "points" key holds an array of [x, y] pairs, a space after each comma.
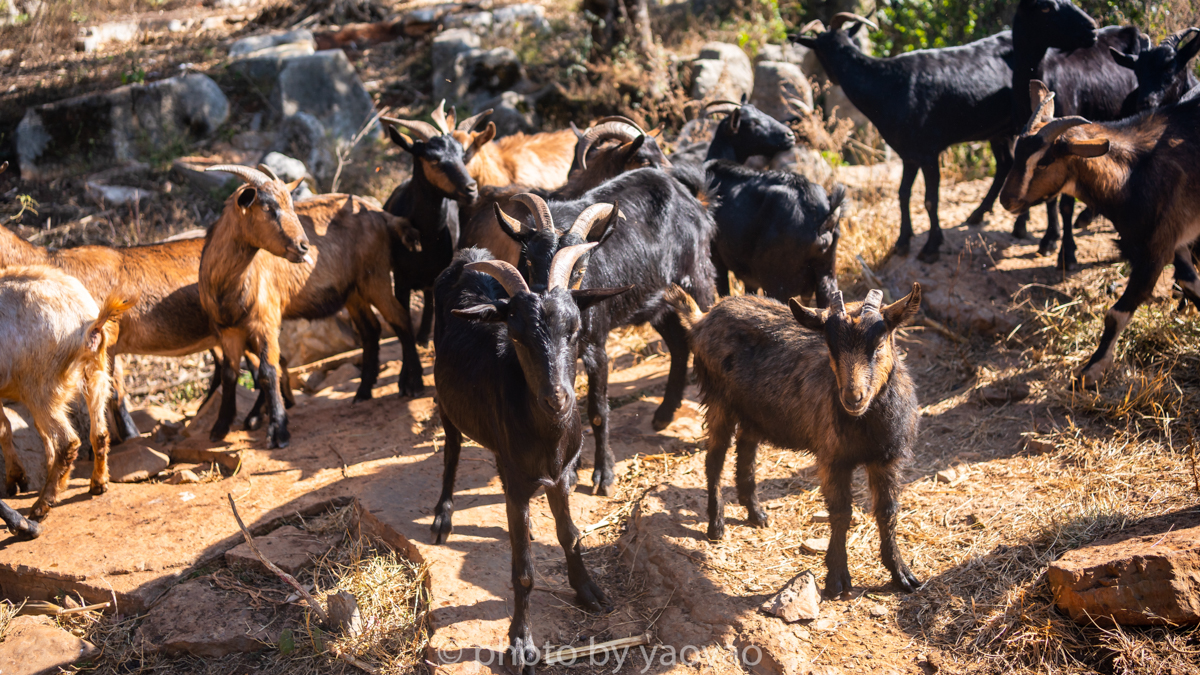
{"points": [[343, 374], [161, 423], [183, 477], [289, 169], [447, 73], [202, 423], [493, 71], [1146, 580], [27, 444], [93, 38], [512, 113], [800, 599], [33, 645], [343, 612], [731, 80], [117, 195], [291, 549], [136, 461], [312, 382], [1003, 393], [514, 19], [479, 23], [773, 83], [302, 341], [113, 127], [808, 163], [878, 611], [1039, 447], [946, 476], [837, 104], [304, 136], [298, 42], [815, 545], [192, 171], [195, 618], [821, 517]]}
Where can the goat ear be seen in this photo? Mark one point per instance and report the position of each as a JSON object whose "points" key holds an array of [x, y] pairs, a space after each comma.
{"points": [[589, 296], [1038, 92], [481, 139], [293, 185], [1124, 60], [630, 149], [1187, 52], [735, 119], [247, 196], [809, 317], [493, 313], [400, 139], [903, 310], [1085, 147]]}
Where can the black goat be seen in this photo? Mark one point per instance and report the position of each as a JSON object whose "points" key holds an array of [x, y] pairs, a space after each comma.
{"points": [[776, 230], [505, 377], [745, 132], [922, 103], [1141, 173], [1162, 73], [825, 380], [439, 176], [18, 524], [1056, 42], [666, 239]]}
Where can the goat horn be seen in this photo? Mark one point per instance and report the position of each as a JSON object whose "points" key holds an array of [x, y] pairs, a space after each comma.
{"points": [[1047, 102], [267, 170], [813, 25], [603, 132], [1176, 40], [439, 118], [514, 224], [3, 167], [423, 131], [251, 176], [837, 305], [502, 272], [874, 300], [587, 220], [624, 119], [469, 123], [842, 17], [537, 206], [1058, 127], [563, 262]]}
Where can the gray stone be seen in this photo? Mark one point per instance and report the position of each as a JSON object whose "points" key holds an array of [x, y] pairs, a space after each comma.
{"points": [[113, 127], [837, 104], [809, 163], [287, 168], [136, 461], [305, 137], [288, 548], [774, 84], [195, 618], [33, 645], [447, 68], [299, 40], [302, 341], [344, 613], [515, 19], [737, 76], [93, 38], [479, 23], [27, 444], [798, 600], [511, 112], [118, 195], [340, 376], [706, 77]]}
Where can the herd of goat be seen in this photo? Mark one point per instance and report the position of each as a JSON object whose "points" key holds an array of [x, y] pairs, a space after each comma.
{"points": [[529, 250]]}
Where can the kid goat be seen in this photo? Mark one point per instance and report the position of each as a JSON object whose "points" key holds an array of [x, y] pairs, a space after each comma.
{"points": [[1140, 173]]}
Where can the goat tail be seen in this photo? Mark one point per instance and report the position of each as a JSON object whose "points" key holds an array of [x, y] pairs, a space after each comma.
{"points": [[685, 306], [103, 331]]}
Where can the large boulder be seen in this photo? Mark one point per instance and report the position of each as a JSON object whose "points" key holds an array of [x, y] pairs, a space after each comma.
{"points": [[304, 137], [33, 645], [774, 82], [114, 127], [730, 80], [511, 112], [1148, 580], [446, 69]]}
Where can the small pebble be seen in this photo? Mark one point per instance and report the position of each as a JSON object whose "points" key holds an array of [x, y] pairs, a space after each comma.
{"points": [[946, 476], [815, 545]]}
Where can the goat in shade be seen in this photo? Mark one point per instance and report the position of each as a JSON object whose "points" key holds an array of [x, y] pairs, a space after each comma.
{"points": [[505, 377]]}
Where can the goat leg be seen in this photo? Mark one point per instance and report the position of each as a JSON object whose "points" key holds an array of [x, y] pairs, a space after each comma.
{"points": [[277, 425], [285, 384], [368, 332], [722, 274], [1186, 277], [1003, 154], [835, 486], [595, 363], [426, 328], [933, 177], [1142, 278], [233, 345], [674, 334], [907, 178], [1066, 254], [521, 647], [586, 590], [24, 528], [254, 418], [885, 490], [720, 431], [214, 382], [1050, 239], [15, 479], [118, 403], [747, 490], [444, 511], [99, 395], [1021, 226], [411, 380], [61, 446]]}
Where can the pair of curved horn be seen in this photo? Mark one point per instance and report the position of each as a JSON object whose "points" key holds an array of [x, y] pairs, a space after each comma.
{"points": [[512, 281], [841, 18], [256, 177], [1176, 40], [439, 118], [536, 205], [620, 128], [1046, 108]]}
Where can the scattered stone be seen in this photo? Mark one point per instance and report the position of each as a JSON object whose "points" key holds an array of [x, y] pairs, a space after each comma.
{"points": [[311, 383], [837, 104], [514, 19], [343, 612], [447, 47], [302, 341], [34, 645], [825, 625], [1001, 394], [118, 195], [343, 374], [1140, 581], [821, 517], [878, 611], [297, 42], [815, 545], [109, 128], [183, 477], [776, 82], [163, 424], [1038, 446], [93, 38], [136, 461], [806, 162], [800, 599], [479, 23], [730, 80], [289, 169], [511, 113], [291, 549], [195, 618], [946, 476]]}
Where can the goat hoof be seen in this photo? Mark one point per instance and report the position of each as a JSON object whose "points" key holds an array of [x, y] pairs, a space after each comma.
{"points": [[837, 585], [906, 580], [975, 218], [591, 597], [1067, 263], [604, 489], [98, 488], [31, 530], [928, 256], [716, 530], [39, 511], [1047, 247], [441, 528], [254, 423], [757, 517], [1020, 234], [524, 654], [901, 249], [360, 395]]}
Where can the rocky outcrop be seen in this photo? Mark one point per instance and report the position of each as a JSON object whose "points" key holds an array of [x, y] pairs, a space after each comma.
{"points": [[289, 548], [774, 83], [1147, 580], [195, 618], [33, 645], [722, 71]]}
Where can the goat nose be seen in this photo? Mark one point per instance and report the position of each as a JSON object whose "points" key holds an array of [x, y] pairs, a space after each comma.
{"points": [[557, 398]]}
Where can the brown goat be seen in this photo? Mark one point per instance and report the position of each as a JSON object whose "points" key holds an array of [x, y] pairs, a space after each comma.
{"points": [[326, 252], [1141, 173], [53, 340]]}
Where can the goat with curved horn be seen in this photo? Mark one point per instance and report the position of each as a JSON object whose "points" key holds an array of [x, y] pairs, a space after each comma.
{"points": [[504, 273], [537, 206], [621, 131], [251, 176], [422, 131], [563, 262], [842, 18], [815, 25], [1058, 127]]}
